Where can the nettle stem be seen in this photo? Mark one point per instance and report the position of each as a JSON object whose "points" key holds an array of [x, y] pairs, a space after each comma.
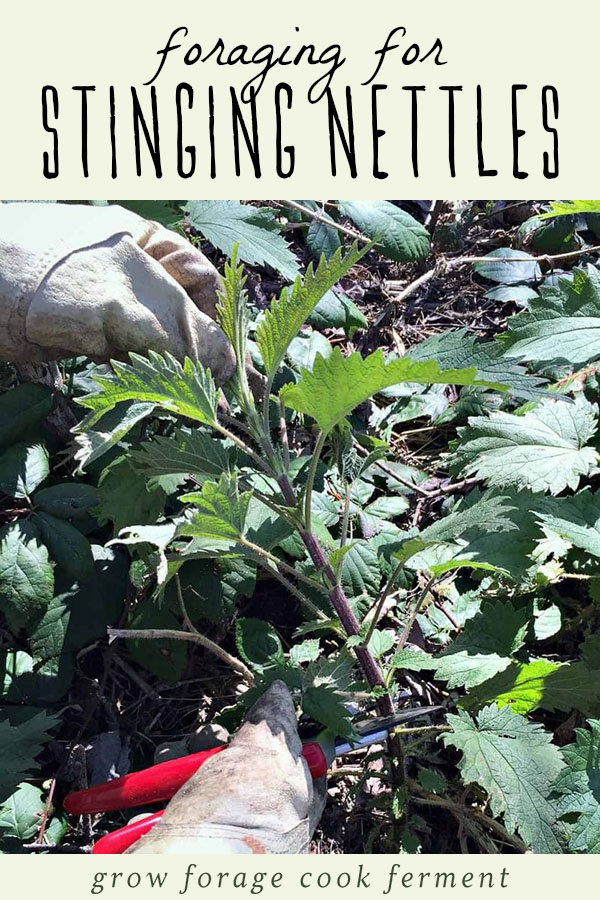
{"points": [[339, 601]]}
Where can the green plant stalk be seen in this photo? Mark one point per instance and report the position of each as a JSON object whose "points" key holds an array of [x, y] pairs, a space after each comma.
{"points": [[310, 478]]}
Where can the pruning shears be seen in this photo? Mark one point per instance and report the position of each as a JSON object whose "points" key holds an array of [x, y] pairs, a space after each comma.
{"points": [[160, 782]]}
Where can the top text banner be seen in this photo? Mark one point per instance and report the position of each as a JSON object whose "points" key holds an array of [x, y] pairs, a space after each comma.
{"points": [[244, 100]]}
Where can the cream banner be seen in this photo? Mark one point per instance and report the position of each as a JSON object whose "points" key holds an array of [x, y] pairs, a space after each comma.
{"points": [[242, 100]]}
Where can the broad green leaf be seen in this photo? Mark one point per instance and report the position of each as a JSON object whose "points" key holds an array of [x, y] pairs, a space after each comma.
{"points": [[575, 519], [23, 467], [360, 574], [126, 497], [20, 814], [335, 671], [467, 669], [508, 266], [496, 628], [381, 642], [540, 683], [68, 547], [22, 409], [515, 763], [562, 326], [338, 384], [413, 660], [578, 789], [186, 390], [456, 349], [92, 443], [321, 239], [36, 682], [571, 208], [305, 651], [336, 310], [71, 500], [329, 708], [303, 350], [258, 643], [399, 236], [220, 511], [520, 294], [288, 312], [186, 452], [26, 576], [542, 450], [256, 232], [19, 746]]}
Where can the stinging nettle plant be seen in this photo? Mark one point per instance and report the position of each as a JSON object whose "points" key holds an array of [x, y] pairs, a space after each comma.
{"points": [[246, 469]]}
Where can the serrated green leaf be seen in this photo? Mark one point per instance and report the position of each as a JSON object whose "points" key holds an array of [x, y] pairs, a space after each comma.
{"points": [[26, 576], [256, 232], [575, 519], [542, 450], [305, 651], [578, 789], [69, 548], [324, 705], [399, 236], [562, 326], [220, 511], [381, 642], [336, 310], [258, 643], [514, 761], [571, 208], [455, 349], [126, 497], [20, 814], [23, 467], [540, 683], [92, 443], [496, 628], [336, 385], [186, 390], [19, 745], [183, 452], [288, 313]]}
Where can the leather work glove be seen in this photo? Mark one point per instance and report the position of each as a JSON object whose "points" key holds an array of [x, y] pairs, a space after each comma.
{"points": [[256, 797], [101, 282]]}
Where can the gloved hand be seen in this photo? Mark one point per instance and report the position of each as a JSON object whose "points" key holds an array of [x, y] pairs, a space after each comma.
{"points": [[256, 797], [101, 282]]}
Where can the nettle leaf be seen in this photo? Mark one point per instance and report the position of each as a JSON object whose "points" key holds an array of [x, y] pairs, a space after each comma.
{"points": [[226, 223], [22, 409], [288, 312], [258, 643], [184, 452], [92, 443], [69, 548], [575, 519], [220, 511], [540, 683], [514, 761], [456, 349], [466, 669], [496, 628], [578, 789], [381, 642], [26, 576], [336, 385], [23, 467], [360, 574], [336, 672], [305, 651], [571, 208], [542, 450], [399, 236], [19, 745], [562, 326], [329, 708], [126, 497], [321, 239], [186, 390], [508, 266]]}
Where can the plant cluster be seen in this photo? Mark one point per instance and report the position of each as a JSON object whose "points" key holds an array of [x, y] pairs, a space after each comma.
{"points": [[180, 500]]}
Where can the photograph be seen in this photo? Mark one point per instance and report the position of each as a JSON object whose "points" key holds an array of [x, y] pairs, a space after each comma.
{"points": [[299, 527]]}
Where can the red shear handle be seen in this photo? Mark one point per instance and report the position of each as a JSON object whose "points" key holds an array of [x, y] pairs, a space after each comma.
{"points": [[151, 785], [121, 840], [160, 782]]}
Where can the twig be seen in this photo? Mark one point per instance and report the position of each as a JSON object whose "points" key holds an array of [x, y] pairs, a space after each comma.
{"points": [[324, 220], [467, 812], [380, 602], [172, 634], [46, 813]]}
